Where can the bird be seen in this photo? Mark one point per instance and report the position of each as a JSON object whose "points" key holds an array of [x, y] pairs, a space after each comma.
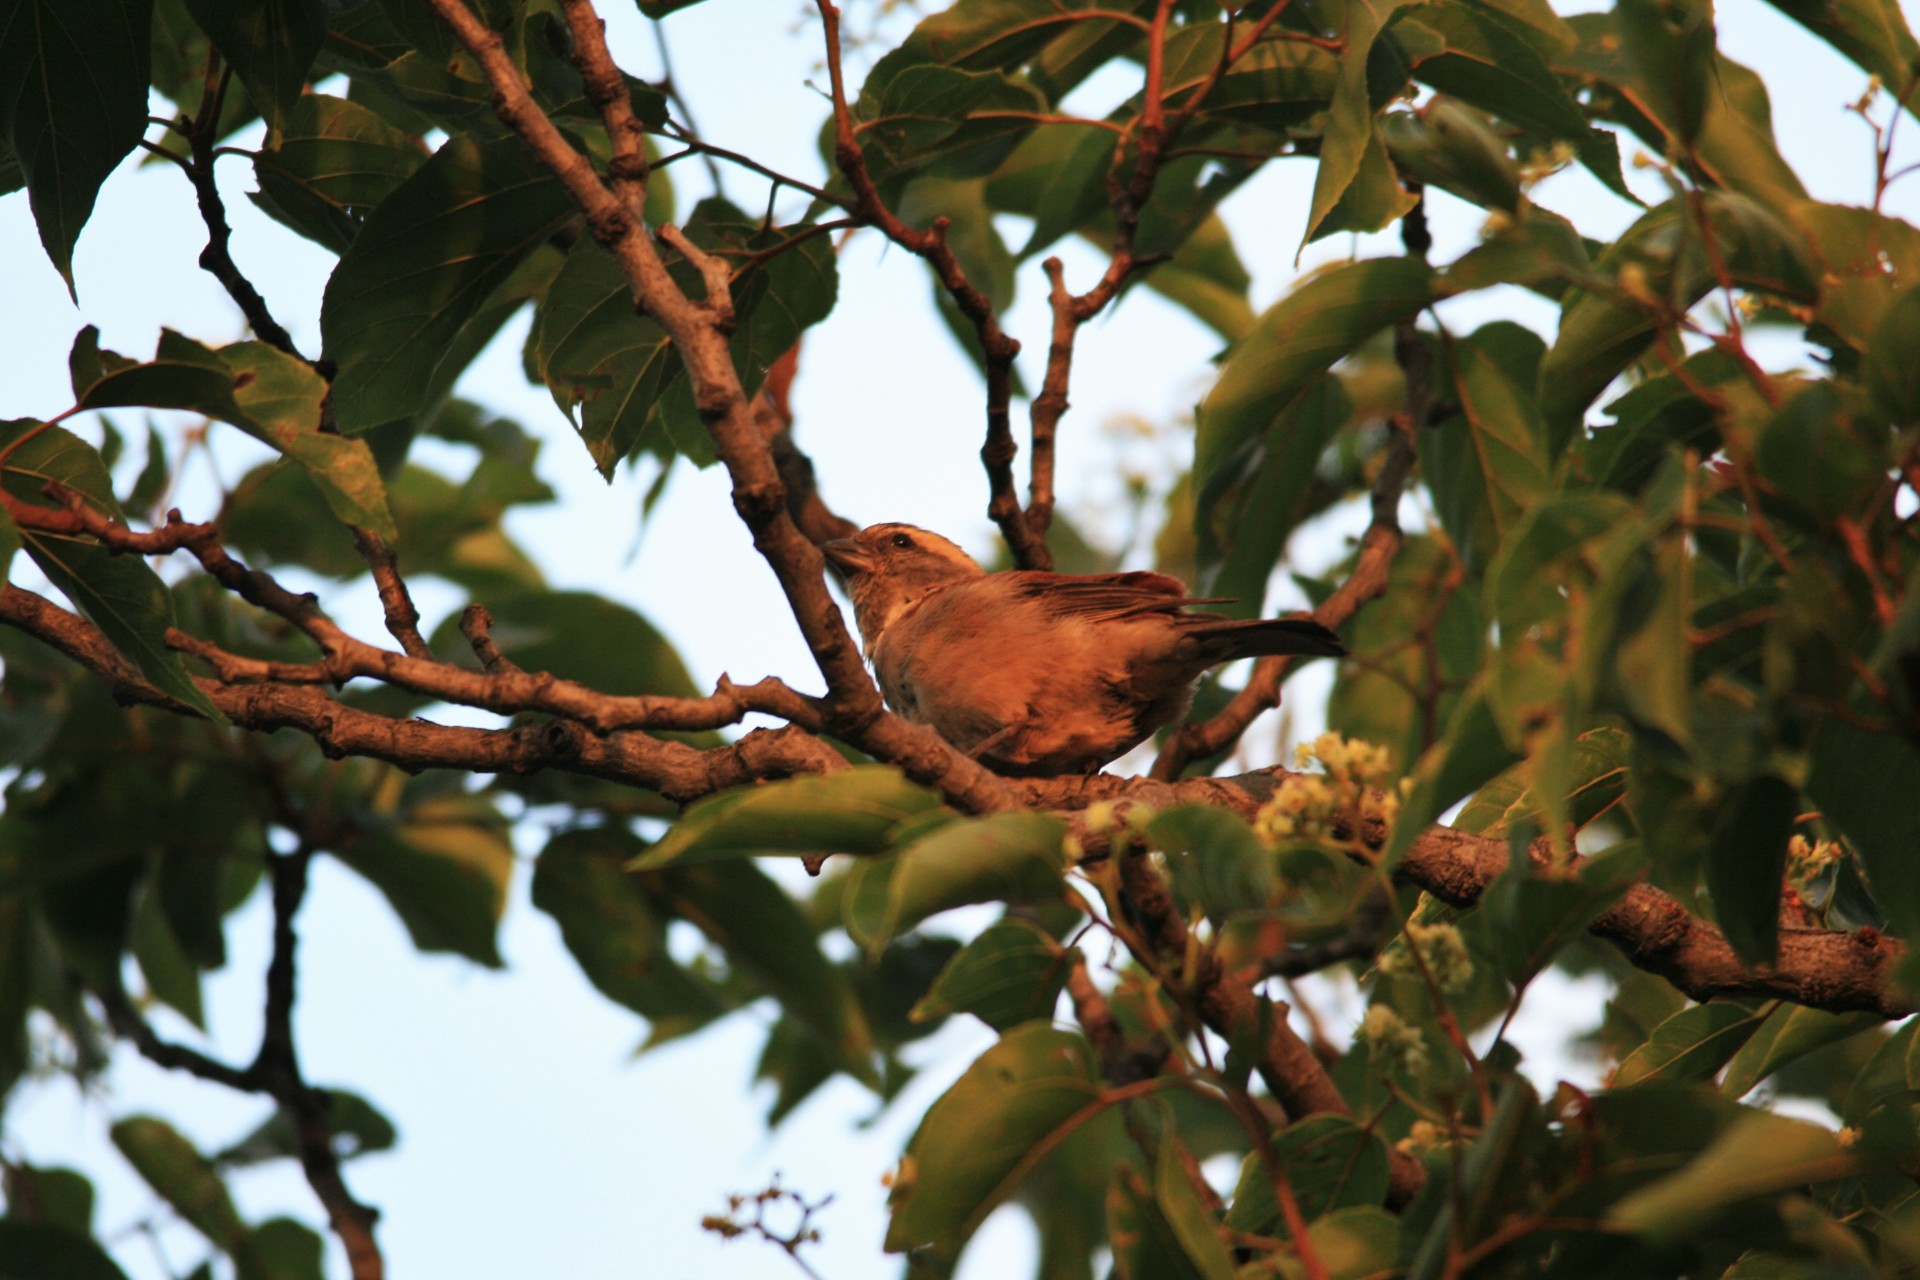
{"points": [[1039, 674]]}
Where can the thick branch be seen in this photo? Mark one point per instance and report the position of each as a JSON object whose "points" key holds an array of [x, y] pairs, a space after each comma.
{"points": [[1819, 968]]}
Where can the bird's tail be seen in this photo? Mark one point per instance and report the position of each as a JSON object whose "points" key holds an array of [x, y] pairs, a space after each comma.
{"points": [[1231, 638]]}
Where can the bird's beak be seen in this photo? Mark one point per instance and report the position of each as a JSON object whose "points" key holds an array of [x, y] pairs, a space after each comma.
{"points": [[847, 556]]}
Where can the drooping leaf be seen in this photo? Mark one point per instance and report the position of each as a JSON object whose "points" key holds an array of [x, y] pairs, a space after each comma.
{"points": [[979, 1132], [119, 594], [1489, 464], [271, 45], [358, 1128], [181, 1176], [858, 811], [1218, 864], [280, 1249], [1759, 1154], [270, 395], [443, 866], [329, 163], [616, 933], [1660, 267], [1349, 131], [614, 372], [75, 104], [1331, 1163], [423, 264], [1874, 33], [766, 936], [1745, 861], [46, 1251], [1790, 1034], [576, 635], [1005, 857], [1011, 973], [1694, 1043], [1296, 341]]}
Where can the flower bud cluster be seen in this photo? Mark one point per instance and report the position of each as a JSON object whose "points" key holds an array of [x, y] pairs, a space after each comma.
{"points": [[1390, 1039], [1442, 949], [1356, 782]]}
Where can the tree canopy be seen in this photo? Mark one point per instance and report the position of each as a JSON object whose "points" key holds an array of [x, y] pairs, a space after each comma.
{"points": [[1633, 606]]}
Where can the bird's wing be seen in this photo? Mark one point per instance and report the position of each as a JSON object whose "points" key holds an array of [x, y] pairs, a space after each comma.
{"points": [[1105, 596]]}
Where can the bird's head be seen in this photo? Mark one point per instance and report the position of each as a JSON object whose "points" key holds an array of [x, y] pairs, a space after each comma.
{"points": [[887, 567]]}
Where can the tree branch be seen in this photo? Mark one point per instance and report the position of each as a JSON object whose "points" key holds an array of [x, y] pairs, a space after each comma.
{"points": [[1819, 968], [997, 348], [853, 708]]}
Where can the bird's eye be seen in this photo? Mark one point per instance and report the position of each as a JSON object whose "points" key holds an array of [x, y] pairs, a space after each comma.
{"points": [[903, 542]]}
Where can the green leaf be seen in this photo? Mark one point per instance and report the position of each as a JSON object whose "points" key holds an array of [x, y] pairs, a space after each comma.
{"points": [[1207, 278], [1191, 1223], [424, 263], [859, 811], [171, 976], [1759, 1154], [579, 636], [9, 542], [329, 163], [1297, 340], [767, 937], [1694, 1043], [1217, 862], [279, 399], [44, 1251], [1745, 860], [1470, 753], [614, 373], [1669, 48], [1451, 146], [358, 1127], [1532, 917], [119, 594], [443, 866], [616, 934], [911, 113], [1331, 1163], [181, 1175], [1248, 510], [1489, 464], [1873, 33], [280, 1249], [270, 395], [1013, 972], [1661, 266], [979, 1132], [1891, 373], [271, 44], [1488, 64], [1356, 1242], [75, 104], [1864, 783], [1793, 1032], [1005, 857], [1349, 133], [1542, 251]]}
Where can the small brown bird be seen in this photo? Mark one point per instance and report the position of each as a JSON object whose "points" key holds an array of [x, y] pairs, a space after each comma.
{"points": [[1039, 673]]}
